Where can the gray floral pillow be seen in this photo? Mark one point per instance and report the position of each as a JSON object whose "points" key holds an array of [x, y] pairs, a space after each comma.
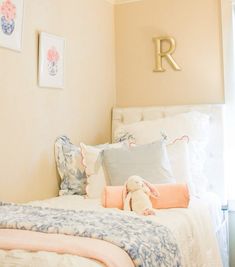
{"points": [[69, 165]]}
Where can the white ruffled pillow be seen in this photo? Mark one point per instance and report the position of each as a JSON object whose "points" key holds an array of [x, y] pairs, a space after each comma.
{"points": [[92, 161], [193, 124]]}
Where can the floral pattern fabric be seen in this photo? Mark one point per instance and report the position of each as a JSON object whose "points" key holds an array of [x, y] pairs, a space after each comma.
{"points": [[147, 243], [8, 15], [124, 136], [69, 165]]}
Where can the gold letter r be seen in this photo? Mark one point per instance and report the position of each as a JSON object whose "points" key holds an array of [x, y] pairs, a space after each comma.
{"points": [[158, 41]]}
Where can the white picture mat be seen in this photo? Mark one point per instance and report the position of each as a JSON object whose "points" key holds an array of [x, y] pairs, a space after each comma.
{"points": [[14, 41], [47, 41]]}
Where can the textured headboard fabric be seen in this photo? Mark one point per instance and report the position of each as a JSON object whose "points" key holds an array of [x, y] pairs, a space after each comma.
{"points": [[214, 168]]}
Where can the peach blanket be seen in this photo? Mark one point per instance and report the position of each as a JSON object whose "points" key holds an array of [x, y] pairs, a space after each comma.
{"points": [[170, 196], [105, 252]]}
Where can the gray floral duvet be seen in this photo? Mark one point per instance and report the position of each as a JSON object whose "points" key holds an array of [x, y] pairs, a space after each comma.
{"points": [[148, 243]]}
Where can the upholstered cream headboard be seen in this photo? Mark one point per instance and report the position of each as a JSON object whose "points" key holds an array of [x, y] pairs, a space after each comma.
{"points": [[214, 168]]}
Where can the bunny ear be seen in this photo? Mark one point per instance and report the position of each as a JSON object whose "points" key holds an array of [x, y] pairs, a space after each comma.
{"points": [[124, 193], [152, 188], [127, 202]]}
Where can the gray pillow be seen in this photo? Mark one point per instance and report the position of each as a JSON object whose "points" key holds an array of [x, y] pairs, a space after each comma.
{"points": [[149, 161]]}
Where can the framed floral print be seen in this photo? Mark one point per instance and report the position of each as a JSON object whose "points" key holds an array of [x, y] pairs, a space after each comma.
{"points": [[11, 23], [51, 61]]}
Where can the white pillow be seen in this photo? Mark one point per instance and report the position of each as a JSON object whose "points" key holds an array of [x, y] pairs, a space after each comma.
{"points": [[92, 161], [193, 124], [178, 154]]}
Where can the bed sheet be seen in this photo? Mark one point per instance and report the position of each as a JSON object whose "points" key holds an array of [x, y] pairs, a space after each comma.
{"points": [[192, 228]]}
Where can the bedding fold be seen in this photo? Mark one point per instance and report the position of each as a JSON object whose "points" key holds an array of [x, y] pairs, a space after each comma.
{"points": [[105, 252], [146, 242]]}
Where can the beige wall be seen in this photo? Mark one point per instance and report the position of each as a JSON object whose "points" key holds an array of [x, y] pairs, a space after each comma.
{"points": [[196, 27], [32, 117]]}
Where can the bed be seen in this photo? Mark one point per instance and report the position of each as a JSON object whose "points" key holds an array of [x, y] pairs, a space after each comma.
{"points": [[193, 229], [188, 226], [213, 168]]}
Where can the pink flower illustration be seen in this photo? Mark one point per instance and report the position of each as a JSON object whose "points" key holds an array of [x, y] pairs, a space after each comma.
{"points": [[53, 58], [53, 55], [8, 10]]}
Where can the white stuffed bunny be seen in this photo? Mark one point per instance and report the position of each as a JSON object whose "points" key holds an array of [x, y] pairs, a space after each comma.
{"points": [[138, 195]]}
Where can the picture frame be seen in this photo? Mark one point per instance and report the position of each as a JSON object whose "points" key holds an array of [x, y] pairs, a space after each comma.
{"points": [[51, 61], [11, 24]]}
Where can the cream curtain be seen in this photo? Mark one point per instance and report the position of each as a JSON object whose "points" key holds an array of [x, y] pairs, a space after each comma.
{"points": [[228, 30]]}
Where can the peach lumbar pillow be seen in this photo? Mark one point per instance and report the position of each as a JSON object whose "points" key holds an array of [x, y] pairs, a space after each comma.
{"points": [[169, 196]]}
